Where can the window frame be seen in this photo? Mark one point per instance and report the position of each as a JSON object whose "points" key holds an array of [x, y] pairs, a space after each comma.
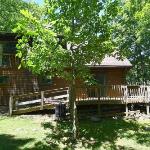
{"points": [[7, 55], [6, 78]]}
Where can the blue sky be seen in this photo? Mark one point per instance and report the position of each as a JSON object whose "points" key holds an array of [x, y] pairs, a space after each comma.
{"points": [[37, 1]]}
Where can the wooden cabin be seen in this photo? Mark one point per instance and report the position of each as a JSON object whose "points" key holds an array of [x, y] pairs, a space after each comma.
{"points": [[14, 81]]}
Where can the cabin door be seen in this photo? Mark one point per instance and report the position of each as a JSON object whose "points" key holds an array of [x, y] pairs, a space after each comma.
{"points": [[101, 81]]}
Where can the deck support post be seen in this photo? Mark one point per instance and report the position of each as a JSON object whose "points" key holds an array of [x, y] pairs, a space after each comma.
{"points": [[68, 95], [127, 110], [10, 105], [147, 109], [99, 107], [126, 99], [42, 99]]}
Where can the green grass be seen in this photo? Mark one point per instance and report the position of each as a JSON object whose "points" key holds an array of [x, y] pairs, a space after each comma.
{"points": [[20, 133], [41, 133]]}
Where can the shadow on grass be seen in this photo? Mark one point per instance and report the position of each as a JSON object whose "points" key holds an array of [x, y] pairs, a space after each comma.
{"points": [[10, 142], [92, 135]]}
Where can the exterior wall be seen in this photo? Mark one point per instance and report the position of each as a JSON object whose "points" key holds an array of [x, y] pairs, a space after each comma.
{"points": [[18, 82], [22, 81], [113, 75]]}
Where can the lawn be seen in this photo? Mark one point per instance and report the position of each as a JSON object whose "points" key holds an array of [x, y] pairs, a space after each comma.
{"points": [[39, 132]]}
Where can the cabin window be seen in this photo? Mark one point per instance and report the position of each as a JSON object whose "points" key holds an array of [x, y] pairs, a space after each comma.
{"points": [[100, 79], [7, 49], [46, 81], [4, 79]]}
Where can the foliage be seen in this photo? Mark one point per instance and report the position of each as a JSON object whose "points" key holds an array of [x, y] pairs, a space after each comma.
{"points": [[143, 34], [10, 13], [85, 27], [132, 32]]}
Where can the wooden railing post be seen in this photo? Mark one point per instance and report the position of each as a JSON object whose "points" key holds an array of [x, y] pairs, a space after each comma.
{"points": [[68, 94], [125, 93], [10, 105], [148, 101], [42, 99]]}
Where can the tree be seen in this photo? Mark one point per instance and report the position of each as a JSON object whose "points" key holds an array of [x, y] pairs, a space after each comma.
{"points": [[10, 13], [133, 35], [143, 34], [67, 36]]}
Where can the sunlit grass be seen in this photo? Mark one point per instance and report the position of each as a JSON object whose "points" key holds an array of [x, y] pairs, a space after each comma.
{"points": [[42, 133]]}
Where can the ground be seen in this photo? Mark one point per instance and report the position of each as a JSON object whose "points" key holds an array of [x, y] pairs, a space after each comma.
{"points": [[41, 132]]}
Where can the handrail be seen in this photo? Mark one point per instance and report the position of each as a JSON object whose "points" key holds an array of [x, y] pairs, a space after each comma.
{"points": [[114, 92], [39, 92], [36, 98]]}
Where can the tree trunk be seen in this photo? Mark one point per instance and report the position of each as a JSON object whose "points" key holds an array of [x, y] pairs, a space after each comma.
{"points": [[73, 109]]}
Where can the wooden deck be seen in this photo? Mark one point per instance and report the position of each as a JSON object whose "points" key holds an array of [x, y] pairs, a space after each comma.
{"points": [[108, 100], [111, 94]]}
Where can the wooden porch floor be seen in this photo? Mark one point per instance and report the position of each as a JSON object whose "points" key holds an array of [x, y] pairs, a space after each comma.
{"points": [[108, 100]]}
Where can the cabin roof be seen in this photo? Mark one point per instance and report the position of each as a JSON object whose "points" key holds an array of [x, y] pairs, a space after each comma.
{"points": [[111, 61]]}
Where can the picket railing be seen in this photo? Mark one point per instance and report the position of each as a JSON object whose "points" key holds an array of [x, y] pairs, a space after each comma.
{"points": [[127, 94]]}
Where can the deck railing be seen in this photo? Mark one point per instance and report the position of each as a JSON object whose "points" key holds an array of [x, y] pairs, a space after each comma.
{"points": [[127, 94], [115, 93]]}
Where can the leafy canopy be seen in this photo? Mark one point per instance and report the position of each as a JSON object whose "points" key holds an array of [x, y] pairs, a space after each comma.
{"points": [[67, 36], [132, 24], [10, 13]]}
